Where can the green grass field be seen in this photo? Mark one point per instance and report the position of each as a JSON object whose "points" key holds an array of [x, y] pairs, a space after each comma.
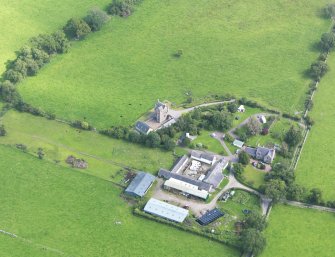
{"points": [[316, 167], [258, 49], [75, 214], [60, 140], [299, 232], [212, 144], [253, 177], [23, 19]]}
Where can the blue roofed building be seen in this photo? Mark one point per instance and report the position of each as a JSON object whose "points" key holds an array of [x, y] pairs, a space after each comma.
{"points": [[140, 184]]}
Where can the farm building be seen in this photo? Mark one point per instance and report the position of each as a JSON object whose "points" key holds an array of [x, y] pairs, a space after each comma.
{"points": [[238, 143], [262, 119], [215, 176], [210, 216], [203, 157], [241, 108], [261, 153], [165, 210], [185, 187], [180, 164], [162, 173], [142, 127], [140, 184]]}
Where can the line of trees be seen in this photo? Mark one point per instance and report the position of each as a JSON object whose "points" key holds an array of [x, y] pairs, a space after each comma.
{"points": [[280, 185], [40, 49]]}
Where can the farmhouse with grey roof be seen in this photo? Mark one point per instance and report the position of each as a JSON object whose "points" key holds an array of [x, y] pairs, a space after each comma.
{"points": [[142, 127], [140, 184], [262, 153], [165, 210]]}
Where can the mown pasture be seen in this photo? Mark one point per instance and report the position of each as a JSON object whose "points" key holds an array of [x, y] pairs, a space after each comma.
{"points": [[58, 140], [23, 19], [297, 232], [257, 49], [316, 167], [77, 215]]}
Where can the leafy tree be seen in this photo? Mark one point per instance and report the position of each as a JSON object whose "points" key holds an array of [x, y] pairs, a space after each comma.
{"points": [[76, 28], [275, 189], [221, 120], [153, 140], [254, 126], [169, 144], [330, 11], [13, 76], [256, 221], [243, 158], [296, 192], [281, 172], [318, 69], [120, 8], [96, 18], [62, 43], [9, 93], [134, 137], [40, 56], [284, 150], [238, 169], [232, 107], [3, 131], [293, 136], [32, 66], [327, 41], [315, 196], [252, 241], [40, 153]]}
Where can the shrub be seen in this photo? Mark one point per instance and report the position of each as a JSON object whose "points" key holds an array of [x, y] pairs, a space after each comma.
{"points": [[330, 10], [327, 41], [3, 131], [96, 18], [76, 29], [318, 69], [120, 8], [243, 158]]}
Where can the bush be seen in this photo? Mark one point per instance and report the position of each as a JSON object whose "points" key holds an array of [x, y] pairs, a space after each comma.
{"points": [[96, 18], [81, 125], [318, 69], [330, 10], [120, 8], [327, 41], [243, 158], [3, 131], [76, 29]]}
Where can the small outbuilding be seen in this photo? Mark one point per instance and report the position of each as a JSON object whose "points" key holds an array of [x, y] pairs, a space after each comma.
{"points": [[262, 119], [210, 216], [203, 157], [165, 210], [140, 185], [241, 108], [238, 143]]}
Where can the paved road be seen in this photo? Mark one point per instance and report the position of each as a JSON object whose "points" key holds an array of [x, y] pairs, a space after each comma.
{"points": [[177, 113], [309, 206]]}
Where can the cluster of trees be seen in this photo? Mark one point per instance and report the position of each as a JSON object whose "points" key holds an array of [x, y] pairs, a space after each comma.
{"points": [[252, 240], [280, 184], [153, 139], [253, 128]]}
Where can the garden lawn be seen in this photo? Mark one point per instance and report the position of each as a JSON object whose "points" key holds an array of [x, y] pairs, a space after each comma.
{"points": [[59, 140], [76, 214], [22, 19], [259, 49], [212, 144], [316, 167], [253, 176], [299, 232]]}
